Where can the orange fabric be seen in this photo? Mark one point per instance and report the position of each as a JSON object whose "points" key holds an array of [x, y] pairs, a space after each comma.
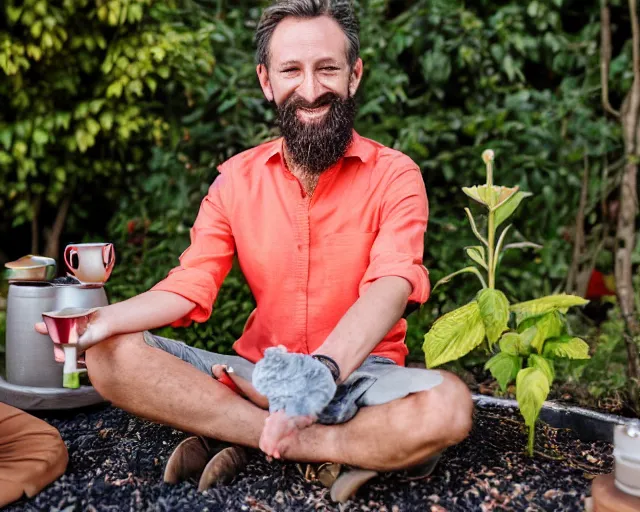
{"points": [[306, 259], [32, 454]]}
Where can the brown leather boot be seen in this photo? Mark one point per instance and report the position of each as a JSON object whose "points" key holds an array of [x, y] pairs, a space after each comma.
{"points": [[344, 481], [348, 483], [223, 467], [187, 460]]}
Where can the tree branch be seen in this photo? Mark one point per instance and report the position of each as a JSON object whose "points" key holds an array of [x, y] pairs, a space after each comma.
{"points": [[578, 238], [53, 240], [605, 56], [635, 34], [35, 225], [634, 95]]}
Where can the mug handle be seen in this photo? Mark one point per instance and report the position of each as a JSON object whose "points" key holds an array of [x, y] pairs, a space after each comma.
{"points": [[108, 257], [69, 251]]}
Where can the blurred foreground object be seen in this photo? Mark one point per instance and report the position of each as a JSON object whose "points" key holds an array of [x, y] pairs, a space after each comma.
{"points": [[32, 454]]}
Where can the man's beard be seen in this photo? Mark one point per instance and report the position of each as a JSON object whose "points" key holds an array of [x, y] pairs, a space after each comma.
{"points": [[314, 146]]}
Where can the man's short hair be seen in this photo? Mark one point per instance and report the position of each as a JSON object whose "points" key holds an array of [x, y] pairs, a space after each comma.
{"points": [[339, 10]]}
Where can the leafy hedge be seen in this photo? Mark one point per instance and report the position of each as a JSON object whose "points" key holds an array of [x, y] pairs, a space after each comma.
{"points": [[442, 82]]}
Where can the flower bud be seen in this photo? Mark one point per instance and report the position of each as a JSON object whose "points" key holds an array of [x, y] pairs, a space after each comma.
{"points": [[487, 156]]}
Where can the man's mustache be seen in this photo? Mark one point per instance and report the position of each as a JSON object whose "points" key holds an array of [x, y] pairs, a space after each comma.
{"points": [[296, 102]]}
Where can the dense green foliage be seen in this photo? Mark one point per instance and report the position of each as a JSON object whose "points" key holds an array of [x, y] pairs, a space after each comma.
{"points": [[133, 107]]}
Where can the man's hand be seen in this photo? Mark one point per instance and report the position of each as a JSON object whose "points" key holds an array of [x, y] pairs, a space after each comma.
{"points": [[280, 431], [93, 332]]}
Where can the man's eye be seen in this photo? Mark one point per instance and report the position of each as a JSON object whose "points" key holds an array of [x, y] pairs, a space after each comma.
{"points": [[289, 70], [330, 68]]}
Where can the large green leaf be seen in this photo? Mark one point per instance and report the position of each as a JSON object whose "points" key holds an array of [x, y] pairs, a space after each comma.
{"points": [[503, 211], [477, 254], [544, 365], [566, 346], [537, 307], [532, 389], [453, 335], [494, 308], [549, 325], [504, 367]]}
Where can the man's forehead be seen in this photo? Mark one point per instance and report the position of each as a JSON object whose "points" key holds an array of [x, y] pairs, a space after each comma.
{"points": [[307, 39]]}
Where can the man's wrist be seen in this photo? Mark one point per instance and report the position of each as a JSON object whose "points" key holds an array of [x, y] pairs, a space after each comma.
{"points": [[329, 363]]}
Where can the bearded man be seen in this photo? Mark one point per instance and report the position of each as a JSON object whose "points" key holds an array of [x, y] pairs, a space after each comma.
{"points": [[328, 228]]}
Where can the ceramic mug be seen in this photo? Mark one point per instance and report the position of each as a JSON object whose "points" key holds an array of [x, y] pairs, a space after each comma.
{"points": [[95, 261], [67, 325]]}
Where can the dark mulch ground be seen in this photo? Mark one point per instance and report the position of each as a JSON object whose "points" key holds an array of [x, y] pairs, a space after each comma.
{"points": [[116, 464]]}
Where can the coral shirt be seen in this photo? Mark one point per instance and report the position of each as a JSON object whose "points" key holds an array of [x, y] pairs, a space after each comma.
{"points": [[307, 259]]}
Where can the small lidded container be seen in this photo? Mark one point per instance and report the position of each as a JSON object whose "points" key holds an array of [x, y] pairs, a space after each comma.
{"points": [[626, 451]]}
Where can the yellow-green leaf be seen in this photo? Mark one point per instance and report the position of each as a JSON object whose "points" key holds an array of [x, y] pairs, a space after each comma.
{"points": [[504, 210], [494, 309], [489, 196], [40, 136], [510, 343], [453, 335], [106, 120], [542, 364], [518, 343], [536, 307], [549, 325], [566, 346], [504, 367], [477, 254], [532, 389]]}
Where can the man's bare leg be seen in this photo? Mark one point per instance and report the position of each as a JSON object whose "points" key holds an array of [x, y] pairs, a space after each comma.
{"points": [[157, 386]]}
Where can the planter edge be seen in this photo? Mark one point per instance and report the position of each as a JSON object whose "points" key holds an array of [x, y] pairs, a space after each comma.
{"points": [[587, 424]]}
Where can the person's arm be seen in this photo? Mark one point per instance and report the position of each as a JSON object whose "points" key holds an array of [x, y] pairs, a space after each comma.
{"points": [[394, 278], [143, 312], [187, 294], [366, 323]]}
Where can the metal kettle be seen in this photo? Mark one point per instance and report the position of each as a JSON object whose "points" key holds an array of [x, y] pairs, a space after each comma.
{"points": [[33, 291]]}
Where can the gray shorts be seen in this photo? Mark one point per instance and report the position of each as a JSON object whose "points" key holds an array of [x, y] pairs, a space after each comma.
{"points": [[379, 380]]}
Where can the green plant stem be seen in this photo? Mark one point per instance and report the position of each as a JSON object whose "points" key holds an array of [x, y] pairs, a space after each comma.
{"points": [[492, 235], [491, 231], [532, 431]]}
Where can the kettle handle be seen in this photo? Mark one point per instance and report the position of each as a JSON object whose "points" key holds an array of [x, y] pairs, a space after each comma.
{"points": [[108, 257], [69, 251]]}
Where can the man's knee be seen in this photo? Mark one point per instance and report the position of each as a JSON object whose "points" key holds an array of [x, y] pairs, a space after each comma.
{"points": [[107, 361], [458, 398], [448, 407]]}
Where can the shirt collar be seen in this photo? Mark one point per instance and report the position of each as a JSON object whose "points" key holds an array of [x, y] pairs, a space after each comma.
{"points": [[359, 148]]}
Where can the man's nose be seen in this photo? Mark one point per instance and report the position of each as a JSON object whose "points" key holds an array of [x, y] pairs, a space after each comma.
{"points": [[310, 89]]}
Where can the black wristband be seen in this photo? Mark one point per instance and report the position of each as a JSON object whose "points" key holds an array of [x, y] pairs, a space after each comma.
{"points": [[329, 363]]}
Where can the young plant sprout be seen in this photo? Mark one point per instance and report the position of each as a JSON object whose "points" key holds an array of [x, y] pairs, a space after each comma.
{"points": [[528, 335]]}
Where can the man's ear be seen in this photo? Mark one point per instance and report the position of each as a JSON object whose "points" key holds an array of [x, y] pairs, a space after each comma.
{"points": [[356, 77], [263, 77]]}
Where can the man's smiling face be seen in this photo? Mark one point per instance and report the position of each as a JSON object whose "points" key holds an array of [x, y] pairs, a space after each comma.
{"points": [[310, 80], [308, 58]]}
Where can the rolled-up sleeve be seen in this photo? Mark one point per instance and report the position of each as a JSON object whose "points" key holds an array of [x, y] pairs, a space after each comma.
{"points": [[207, 261], [399, 246]]}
